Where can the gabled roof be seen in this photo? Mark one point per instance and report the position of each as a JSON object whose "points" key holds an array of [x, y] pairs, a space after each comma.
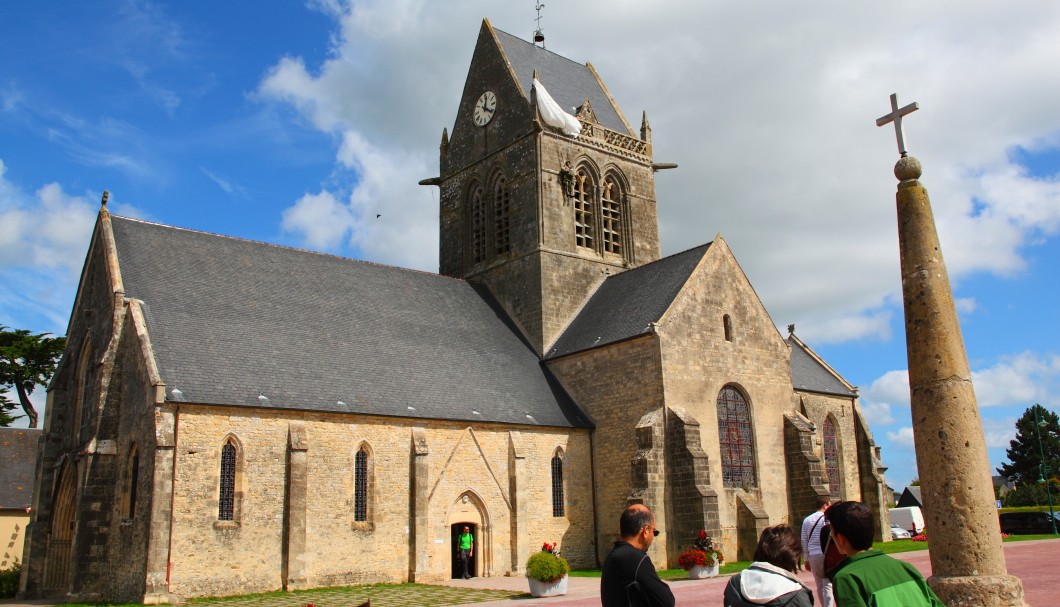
{"points": [[18, 465], [568, 82], [810, 373], [626, 303], [236, 322], [910, 497]]}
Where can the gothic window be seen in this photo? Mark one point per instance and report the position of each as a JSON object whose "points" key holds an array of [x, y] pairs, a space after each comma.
{"points": [[735, 437], [477, 220], [226, 503], [611, 216], [557, 485], [502, 215], [360, 485], [831, 458], [132, 478], [82, 390], [727, 323], [584, 203]]}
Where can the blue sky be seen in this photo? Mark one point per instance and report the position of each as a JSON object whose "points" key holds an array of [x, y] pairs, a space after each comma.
{"points": [[300, 122]]}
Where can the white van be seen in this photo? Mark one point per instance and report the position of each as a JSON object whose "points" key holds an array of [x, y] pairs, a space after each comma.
{"points": [[910, 518]]}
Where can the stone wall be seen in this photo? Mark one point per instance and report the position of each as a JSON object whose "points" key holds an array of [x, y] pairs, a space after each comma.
{"points": [[804, 467], [698, 362], [818, 407]]}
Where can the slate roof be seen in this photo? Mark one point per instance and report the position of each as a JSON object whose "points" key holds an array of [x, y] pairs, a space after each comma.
{"points": [[626, 303], [18, 465], [232, 319], [910, 497], [568, 82], [810, 375]]}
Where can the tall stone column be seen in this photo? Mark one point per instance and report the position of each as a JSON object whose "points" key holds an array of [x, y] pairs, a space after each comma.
{"points": [[967, 559]]}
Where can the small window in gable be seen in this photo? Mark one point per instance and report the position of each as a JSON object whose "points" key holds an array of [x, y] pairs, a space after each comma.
{"points": [[727, 322], [132, 481], [557, 486]]}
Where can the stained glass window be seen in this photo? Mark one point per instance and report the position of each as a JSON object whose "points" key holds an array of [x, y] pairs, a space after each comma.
{"points": [[227, 501], [831, 458], [557, 486], [360, 485], [735, 437]]}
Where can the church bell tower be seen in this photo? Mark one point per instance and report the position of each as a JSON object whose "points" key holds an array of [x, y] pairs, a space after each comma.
{"points": [[538, 216]]}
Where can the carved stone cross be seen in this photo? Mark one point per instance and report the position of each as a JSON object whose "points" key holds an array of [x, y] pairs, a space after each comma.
{"points": [[896, 117]]}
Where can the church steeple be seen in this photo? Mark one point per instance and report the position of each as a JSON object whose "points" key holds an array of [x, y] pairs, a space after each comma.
{"points": [[538, 216]]}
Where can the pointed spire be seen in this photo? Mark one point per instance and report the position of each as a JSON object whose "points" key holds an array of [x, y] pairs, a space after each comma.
{"points": [[445, 138], [645, 129]]}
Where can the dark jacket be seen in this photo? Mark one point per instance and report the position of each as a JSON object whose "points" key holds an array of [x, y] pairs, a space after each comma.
{"points": [[766, 585], [618, 573]]}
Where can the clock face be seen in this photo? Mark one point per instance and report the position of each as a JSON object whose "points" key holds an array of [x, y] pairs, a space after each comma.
{"points": [[484, 108]]}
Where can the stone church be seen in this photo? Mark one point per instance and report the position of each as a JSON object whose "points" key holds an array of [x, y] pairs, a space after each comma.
{"points": [[233, 416]]}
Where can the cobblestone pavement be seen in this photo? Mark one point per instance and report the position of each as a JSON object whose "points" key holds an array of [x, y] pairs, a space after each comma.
{"points": [[1032, 561]]}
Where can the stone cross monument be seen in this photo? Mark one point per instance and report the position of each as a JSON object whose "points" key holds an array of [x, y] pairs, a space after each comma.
{"points": [[967, 560]]}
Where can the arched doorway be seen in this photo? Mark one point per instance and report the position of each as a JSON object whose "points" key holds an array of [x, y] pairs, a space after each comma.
{"points": [[57, 567], [469, 511]]}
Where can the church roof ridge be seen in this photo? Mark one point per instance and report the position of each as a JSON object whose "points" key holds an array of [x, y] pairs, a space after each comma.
{"points": [[286, 247], [809, 372]]}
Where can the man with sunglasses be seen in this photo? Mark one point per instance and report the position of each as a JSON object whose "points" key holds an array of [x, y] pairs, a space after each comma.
{"points": [[629, 578]]}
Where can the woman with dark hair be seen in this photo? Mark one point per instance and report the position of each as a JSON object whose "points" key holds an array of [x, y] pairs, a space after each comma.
{"points": [[770, 581]]}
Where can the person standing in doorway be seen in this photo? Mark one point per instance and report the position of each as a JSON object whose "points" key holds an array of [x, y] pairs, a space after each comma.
{"points": [[811, 548], [465, 549]]}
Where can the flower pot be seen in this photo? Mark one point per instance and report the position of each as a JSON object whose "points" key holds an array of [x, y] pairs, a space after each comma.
{"points": [[540, 589], [699, 572]]}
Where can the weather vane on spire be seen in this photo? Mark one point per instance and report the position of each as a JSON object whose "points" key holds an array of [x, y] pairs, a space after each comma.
{"points": [[539, 36], [896, 117]]}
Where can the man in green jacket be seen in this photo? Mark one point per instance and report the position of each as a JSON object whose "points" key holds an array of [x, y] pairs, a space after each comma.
{"points": [[465, 549], [867, 576]]}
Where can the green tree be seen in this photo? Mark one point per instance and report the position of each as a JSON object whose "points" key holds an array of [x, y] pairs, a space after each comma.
{"points": [[6, 419], [1024, 456], [26, 361]]}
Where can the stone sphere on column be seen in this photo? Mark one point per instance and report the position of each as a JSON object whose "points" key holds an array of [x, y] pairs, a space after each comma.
{"points": [[907, 169]]}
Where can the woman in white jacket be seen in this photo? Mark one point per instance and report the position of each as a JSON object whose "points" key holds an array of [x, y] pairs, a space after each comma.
{"points": [[770, 581]]}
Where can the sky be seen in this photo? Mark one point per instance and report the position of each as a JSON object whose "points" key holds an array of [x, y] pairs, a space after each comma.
{"points": [[298, 123]]}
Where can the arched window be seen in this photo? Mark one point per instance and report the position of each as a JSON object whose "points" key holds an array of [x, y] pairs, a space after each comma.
{"points": [[226, 503], [611, 215], [831, 458], [477, 220], [83, 364], [726, 321], [360, 485], [502, 215], [584, 209], [557, 485], [735, 437], [132, 481]]}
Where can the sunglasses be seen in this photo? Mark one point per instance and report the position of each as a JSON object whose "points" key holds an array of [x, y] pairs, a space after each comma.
{"points": [[655, 532]]}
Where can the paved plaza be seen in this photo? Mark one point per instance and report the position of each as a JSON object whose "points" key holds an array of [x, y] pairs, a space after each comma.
{"points": [[1034, 562]]}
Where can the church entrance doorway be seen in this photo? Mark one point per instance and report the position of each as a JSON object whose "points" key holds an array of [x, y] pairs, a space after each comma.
{"points": [[455, 531], [57, 564]]}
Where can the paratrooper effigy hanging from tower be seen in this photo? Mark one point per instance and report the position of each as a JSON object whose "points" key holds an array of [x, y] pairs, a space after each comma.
{"points": [[967, 558]]}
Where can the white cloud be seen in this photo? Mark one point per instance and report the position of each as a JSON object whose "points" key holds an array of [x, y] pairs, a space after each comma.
{"points": [[877, 413], [891, 387], [1024, 378], [323, 221], [999, 432], [773, 132], [965, 305], [903, 437]]}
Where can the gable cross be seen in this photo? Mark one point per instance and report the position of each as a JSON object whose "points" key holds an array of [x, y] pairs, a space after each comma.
{"points": [[896, 117]]}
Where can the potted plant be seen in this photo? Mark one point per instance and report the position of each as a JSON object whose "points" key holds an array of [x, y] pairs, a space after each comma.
{"points": [[547, 572], [702, 559]]}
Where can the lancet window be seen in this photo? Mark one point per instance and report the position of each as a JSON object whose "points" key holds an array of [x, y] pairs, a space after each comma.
{"points": [[557, 486], [831, 458], [735, 436], [502, 206], [360, 485], [478, 221], [611, 215], [132, 480], [584, 209], [226, 503]]}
